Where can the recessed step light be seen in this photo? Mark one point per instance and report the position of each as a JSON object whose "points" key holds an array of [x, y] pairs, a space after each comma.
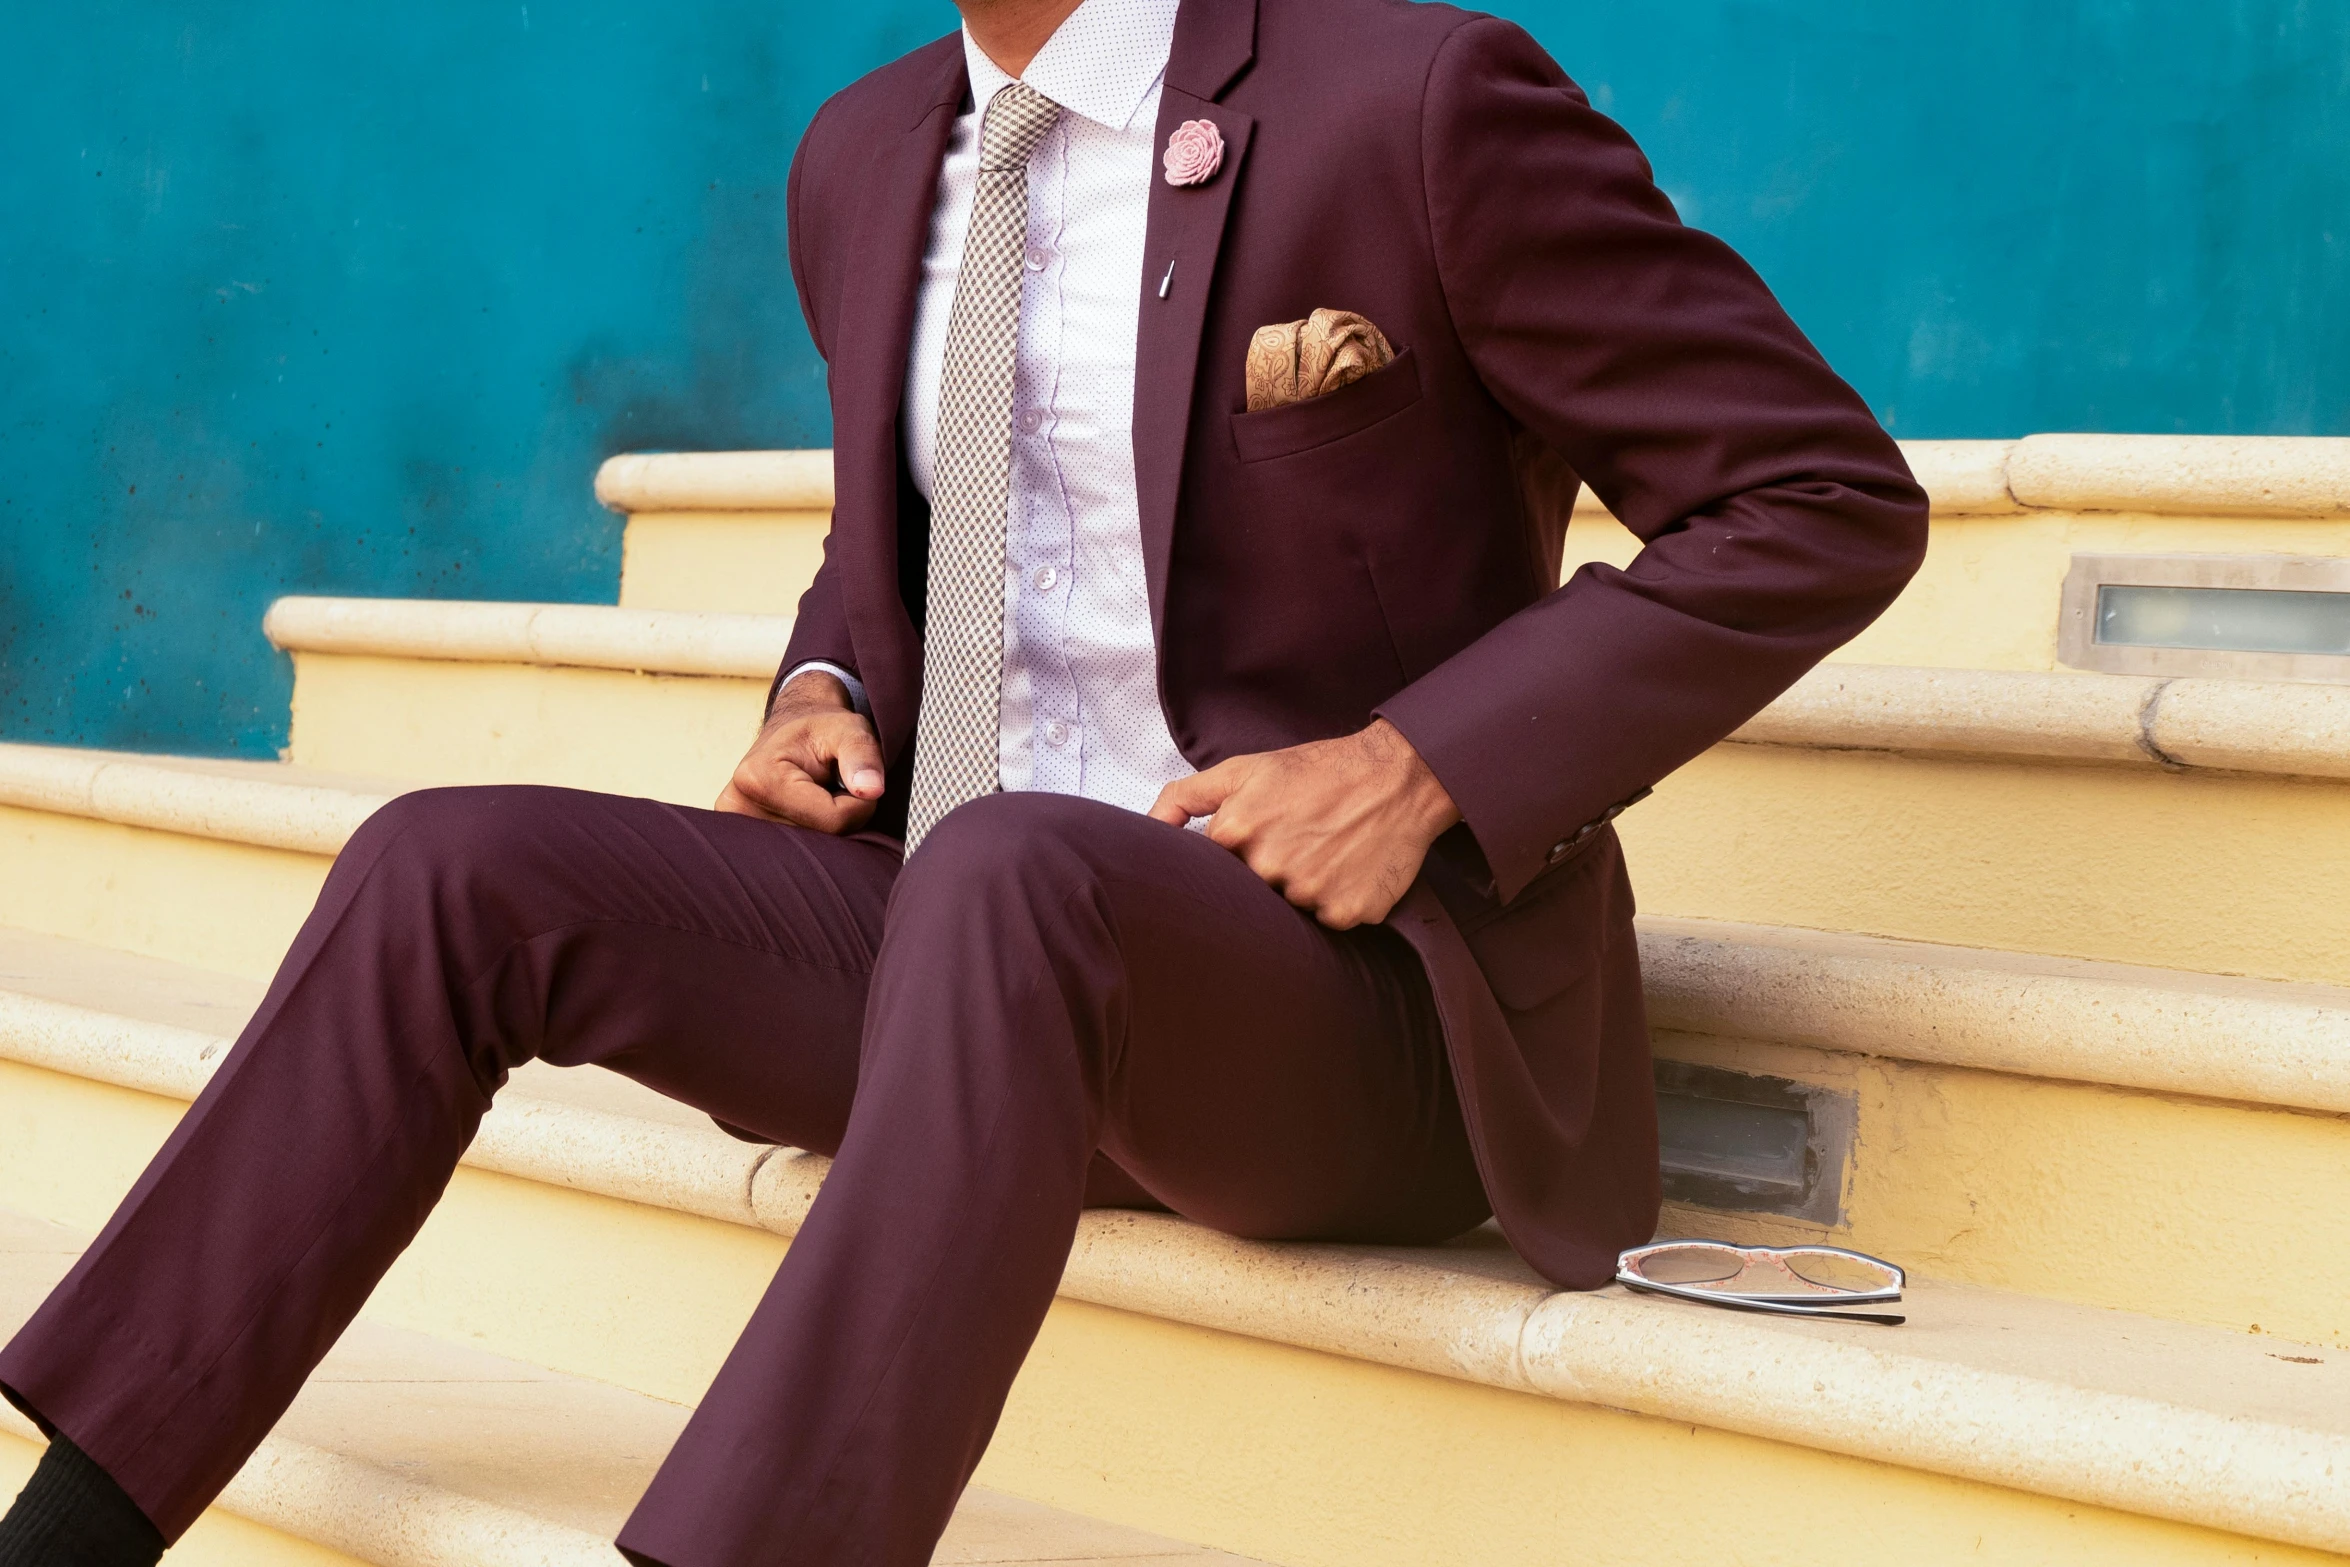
{"points": [[2241, 617], [1746, 1142]]}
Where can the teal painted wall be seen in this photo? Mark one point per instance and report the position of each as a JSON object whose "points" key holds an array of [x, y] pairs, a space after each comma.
{"points": [[351, 299]]}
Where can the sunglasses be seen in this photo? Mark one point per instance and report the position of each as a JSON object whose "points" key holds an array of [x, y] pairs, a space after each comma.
{"points": [[1791, 1281]]}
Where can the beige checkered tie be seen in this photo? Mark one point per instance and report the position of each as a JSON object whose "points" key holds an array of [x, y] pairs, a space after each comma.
{"points": [[956, 749]]}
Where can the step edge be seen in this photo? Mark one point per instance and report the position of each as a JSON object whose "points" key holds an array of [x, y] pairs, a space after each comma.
{"points": [[2191, 475], [2264, 728], [705, 643], [2238, 475], [2133, 1454], [2111, 1025], [361, 1509], [703, 1172], [131, 791], [786, 479], [350, 1505], [1515, 1335], [1616, 1350]]}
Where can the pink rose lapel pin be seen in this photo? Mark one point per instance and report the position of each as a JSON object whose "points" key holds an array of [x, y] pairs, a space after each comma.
{"points": [[1194, 153]]}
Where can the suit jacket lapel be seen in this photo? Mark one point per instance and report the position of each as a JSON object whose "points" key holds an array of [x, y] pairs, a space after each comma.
{"points": [[868, 373], [1214, 42]]}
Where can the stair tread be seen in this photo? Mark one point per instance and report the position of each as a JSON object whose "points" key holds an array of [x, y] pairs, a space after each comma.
{"points": [[2271, 1042], [282, 774], [2218, 477], [271, 805], [2104, 1350], [592, 636], [107, 979], [2000, 1333], [155, 990], [1857, 945], [461, 1422]]}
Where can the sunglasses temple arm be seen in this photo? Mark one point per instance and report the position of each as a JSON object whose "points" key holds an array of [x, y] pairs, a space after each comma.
{"points": [[1885, 1318]]}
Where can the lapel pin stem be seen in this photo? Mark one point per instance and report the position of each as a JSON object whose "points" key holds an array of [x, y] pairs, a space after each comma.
{"points": [[1168, 281]]}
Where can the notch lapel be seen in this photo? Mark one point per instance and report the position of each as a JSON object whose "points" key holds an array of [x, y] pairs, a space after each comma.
{"points": [[1214, 42], [868, 375]]}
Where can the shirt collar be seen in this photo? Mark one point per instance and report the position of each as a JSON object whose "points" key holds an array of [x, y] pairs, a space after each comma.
{"points": [[1101, 63]]}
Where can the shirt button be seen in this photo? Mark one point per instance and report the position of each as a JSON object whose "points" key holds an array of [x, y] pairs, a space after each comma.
{"points": [[1031, 421], [1046, 579], [1037, 257], [1056, 733]]}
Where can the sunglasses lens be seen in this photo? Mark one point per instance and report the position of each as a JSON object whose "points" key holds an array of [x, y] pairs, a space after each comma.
{"points": [[1831, 1271], [1693, 1264]]}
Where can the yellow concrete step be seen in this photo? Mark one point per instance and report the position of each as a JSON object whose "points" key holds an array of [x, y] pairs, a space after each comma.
{"points": [[2108, 1134], [205, 862], [729, 531], [410, 1451], [652, 702], [742, 531], [2193, 824], [1308, 1404], [2010, 516], [1996, 1118]]}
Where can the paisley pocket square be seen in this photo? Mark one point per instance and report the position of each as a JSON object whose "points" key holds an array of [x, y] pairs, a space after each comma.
{"points": [[1296, 360]]}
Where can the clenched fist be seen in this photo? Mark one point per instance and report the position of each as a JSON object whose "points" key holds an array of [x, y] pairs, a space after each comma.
{"points": [[815, 764]]}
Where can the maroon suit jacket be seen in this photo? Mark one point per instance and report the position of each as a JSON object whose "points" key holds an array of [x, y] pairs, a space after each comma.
{"points": [[1392, 548]]}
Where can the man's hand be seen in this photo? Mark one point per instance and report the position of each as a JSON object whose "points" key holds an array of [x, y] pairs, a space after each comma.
{"points": [[815, 763], [1337, 826]]}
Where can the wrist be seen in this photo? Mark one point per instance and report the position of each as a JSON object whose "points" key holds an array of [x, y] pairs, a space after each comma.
{"points": [[1418, 794], [812, 691]]}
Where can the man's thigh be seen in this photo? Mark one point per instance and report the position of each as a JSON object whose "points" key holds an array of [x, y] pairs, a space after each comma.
{"points": [[1276, 1079], [720, 959]]}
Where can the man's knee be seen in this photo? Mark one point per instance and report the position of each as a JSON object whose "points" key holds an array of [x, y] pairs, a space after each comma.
{"points": [[436, 836], [1026, 842], [1001, 885]]}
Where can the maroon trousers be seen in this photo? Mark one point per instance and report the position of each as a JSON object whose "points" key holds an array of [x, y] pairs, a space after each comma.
{"points": [[1052, 996]]}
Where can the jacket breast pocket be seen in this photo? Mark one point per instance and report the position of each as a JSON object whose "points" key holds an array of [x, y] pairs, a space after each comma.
{"points": [[1318, 421]]}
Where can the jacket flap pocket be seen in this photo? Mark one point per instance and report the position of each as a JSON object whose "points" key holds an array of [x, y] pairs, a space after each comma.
{"points": [[1554, 933], [1317, 421]]}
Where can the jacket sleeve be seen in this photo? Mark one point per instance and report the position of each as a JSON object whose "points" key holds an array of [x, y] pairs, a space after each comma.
{"points": [[1778, 517], [820, 630]]}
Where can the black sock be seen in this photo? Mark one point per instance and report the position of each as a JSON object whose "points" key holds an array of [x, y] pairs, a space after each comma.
{"points": [[72, 1514]]}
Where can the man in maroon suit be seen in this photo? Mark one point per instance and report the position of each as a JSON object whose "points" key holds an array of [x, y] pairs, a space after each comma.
{"points": [[1079, 593]]}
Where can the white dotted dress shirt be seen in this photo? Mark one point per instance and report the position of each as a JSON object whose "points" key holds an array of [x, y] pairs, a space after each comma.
{"points": [[1080, 711]]}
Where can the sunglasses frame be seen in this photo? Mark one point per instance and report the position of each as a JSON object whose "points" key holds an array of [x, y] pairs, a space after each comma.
{"points": [[1815, 1304]]}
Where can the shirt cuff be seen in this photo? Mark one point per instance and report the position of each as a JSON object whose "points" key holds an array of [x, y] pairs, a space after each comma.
{"points": [[856, 686]]}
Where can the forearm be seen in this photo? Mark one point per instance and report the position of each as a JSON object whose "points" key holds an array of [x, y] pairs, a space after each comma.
{"points": [[1778, 516]]}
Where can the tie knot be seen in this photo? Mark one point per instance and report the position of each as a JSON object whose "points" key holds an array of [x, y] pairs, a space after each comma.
{"points": [[1017, 119]]}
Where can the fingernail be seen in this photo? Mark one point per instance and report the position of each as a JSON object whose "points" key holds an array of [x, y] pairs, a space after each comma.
{"points": [[865, 778]]}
